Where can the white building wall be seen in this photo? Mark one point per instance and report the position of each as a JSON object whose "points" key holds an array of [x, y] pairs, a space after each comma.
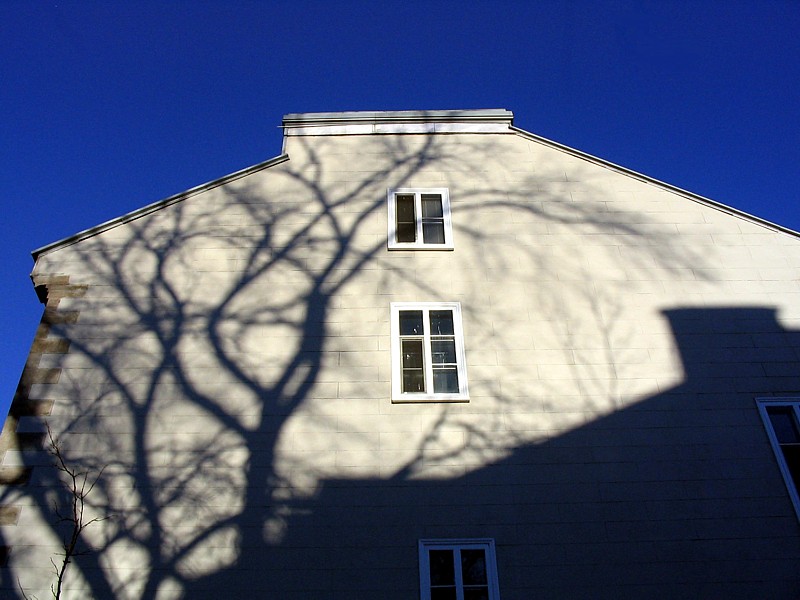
{"points": [[230, 369]]}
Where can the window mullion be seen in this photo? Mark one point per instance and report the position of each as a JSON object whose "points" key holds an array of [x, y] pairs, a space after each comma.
{"points": [[427, 352], [418, 216], [459, 575], [447, 223]]}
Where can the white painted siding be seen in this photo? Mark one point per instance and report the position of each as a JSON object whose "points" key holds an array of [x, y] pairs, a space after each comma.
{"points": [[231, 367]]}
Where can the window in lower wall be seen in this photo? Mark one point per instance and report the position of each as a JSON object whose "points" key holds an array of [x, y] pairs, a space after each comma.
{"points": [[463, 569], [782, 420], [428, 361]]}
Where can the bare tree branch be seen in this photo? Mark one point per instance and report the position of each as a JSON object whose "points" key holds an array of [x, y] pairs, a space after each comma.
{"points": [[78, 489]]}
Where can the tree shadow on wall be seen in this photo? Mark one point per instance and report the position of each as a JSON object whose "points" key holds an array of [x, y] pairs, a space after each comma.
{"points": [[221, 338], [677, 495]]}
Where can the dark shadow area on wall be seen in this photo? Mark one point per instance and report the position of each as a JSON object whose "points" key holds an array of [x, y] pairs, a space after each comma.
{"points": [[676, 496]]}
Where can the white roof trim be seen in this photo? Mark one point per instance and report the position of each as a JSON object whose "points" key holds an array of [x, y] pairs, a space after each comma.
{"points": [[349, 123], [399, 128], [647, 179], [496, 120], [150, 208]]}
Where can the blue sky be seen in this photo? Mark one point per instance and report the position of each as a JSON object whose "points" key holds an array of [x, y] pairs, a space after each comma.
{"points": [[106, 107]]}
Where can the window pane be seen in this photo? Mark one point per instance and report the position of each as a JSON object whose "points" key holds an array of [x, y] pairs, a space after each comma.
{"points": [[405, 207], [433, 232], [473, 567], [412, 354], [411, 322], [441, 322], [406, 232], [791, 453], [445, 381], [448, 593], [406, 226], [442, 568], [412, 366], [783, 424], [413, 382], [785, 427], [476, 594], [443, 351], [432, 206]]}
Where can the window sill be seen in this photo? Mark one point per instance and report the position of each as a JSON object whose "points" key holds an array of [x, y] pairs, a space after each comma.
{"points": [[434, 247], [429, 398]]}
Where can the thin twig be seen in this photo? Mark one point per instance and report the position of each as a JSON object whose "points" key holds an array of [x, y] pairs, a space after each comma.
{"points": [[78, 487]]}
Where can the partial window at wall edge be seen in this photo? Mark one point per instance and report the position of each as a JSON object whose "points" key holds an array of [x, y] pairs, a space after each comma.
{"points": [[781, 417]]}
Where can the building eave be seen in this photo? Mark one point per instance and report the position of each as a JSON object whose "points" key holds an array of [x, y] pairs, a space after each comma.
{"points": [[399, 122], [155, 206], [653, 181], [492, 120], [500, 115]]}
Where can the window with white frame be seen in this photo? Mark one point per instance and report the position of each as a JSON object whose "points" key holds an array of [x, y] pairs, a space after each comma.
{"points": [[419, 219], [458, 570], [782, 420], [428, 360]]}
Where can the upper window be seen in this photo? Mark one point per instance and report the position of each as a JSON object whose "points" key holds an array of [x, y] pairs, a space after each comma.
{"points": [[419, 219], [782, 420], [458, 570], [428, 362]]}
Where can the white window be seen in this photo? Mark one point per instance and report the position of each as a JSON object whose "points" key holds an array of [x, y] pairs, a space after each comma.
{"points": [[458, 570], [782, 420], [419, 219], [428, 361]]}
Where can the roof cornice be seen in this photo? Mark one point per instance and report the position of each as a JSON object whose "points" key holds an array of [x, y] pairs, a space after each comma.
{"points": [[437, 121], [399, 116], [150, 208], [493, 120], [652, 180]]}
